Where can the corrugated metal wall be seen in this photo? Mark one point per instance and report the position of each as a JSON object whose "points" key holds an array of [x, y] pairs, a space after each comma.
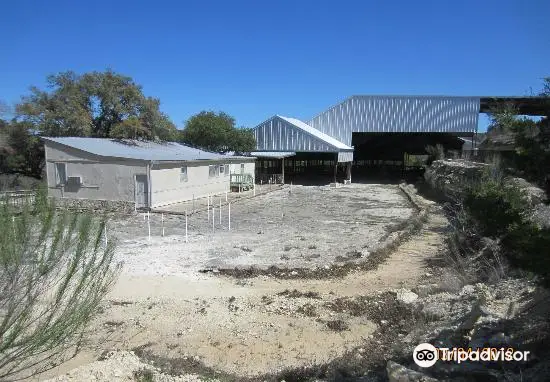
{"points": [[276, 134], [398, 114], [345, 156]]}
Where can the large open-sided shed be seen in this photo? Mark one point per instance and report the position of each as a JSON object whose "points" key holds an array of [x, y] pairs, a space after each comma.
{"points": [[380, 129]]}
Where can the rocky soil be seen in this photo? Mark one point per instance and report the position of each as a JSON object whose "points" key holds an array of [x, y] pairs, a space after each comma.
{"points": [[361, 325]]}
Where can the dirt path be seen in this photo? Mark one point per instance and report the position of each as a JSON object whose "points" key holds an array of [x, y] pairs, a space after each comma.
{"points": [[252, 326]]}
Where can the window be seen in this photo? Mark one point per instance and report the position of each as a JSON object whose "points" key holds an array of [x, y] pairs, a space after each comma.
{"points": [[222, 169], [60, 174], [226, 171], [213, 171], [242, 168], [183, 174]]}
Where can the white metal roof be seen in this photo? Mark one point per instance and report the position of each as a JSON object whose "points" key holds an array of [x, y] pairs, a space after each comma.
{"points": [[272, 154], [316, 133], [140, 150]]}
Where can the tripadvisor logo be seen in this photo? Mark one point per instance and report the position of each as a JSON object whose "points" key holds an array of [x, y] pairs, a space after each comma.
{"points": [[425, 355]]}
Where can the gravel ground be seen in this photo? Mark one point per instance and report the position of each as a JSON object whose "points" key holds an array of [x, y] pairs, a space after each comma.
{"points": [[307, 227], [250, 327]]}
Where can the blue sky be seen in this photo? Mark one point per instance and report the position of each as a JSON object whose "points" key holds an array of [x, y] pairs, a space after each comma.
{"points": [[253, 59]]}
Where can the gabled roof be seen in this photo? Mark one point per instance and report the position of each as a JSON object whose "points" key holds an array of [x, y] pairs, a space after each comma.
{"points": [[316, 133], [135, 149]]}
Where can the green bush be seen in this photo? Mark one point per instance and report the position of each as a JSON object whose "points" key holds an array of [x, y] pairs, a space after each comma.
{"points": [[499, 212], [495, 208], [528, 247]]}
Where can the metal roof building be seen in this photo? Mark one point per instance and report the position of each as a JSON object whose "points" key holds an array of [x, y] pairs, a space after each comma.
{"points": [[399, 114], [332, 130], [99, 172]]}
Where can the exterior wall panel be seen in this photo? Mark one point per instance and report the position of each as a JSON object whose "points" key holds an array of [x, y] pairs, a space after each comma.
{"points": [[167, 188], [113, 180], [397, 114], [278, 135]]}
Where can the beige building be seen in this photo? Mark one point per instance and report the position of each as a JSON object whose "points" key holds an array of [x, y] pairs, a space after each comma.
{"points": [[136, 173]]}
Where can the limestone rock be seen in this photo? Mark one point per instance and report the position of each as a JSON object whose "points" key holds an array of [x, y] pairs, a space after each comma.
{"points": [[399, 373], [406, 296]]}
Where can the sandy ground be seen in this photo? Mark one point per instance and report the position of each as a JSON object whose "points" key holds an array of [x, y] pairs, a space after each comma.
{"points": [[252, 326]]}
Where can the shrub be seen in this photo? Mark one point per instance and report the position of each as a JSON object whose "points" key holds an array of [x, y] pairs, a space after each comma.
{"points": [[55, 268], [495, 208], [528, 247]]}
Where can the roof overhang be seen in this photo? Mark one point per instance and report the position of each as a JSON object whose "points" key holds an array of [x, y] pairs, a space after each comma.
{"points": [[272, 154], [534, 106]]}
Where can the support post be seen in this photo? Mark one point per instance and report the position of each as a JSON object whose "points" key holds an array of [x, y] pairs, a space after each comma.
{"points": [[162, 223], [208, 207], [149, 224], [220, 210], [283, 171], [335, 168], [348, 172], [229, 216], [186, 227]]}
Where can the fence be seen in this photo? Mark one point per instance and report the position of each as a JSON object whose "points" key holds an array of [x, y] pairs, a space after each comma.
{"points": [[17, 198], [269, 179]]}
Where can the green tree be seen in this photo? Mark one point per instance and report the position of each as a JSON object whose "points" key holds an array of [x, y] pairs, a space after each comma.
{"points": [[55, 268], [530, 138], [216, 132], [93, 104], [20, 151]]}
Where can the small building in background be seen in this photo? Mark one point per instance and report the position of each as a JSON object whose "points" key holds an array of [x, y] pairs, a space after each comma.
{"points": [[128, 174]]}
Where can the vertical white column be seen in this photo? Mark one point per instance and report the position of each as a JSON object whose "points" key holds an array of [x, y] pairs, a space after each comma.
{"points": [[213, 218], [208, 207], [162, 223], [149, 224], [229, 216], [186, 227], [220, 211]]}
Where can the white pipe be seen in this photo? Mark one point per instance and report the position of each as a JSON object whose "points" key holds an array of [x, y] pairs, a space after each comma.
{"points": [[208, 207], [162, 223], [220, 210], [213, 218], [149, 224], [226, 196], [186, 227], [229, 215]]}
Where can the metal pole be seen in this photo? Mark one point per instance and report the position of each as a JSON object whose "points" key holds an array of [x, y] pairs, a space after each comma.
{"points": [[149, 224], [213, 218], [220, 210], [186, 227], [229, 216], [162, 223], [208, 207], [226, 196]]}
